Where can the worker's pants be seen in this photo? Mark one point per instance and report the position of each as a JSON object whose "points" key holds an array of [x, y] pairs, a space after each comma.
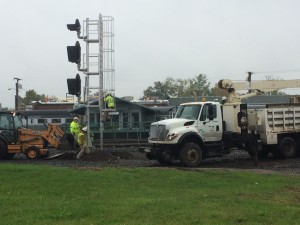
{"points": [[75, 137], [84, 149]]}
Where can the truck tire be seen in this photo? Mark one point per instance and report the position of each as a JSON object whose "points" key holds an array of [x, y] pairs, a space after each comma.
{"points": [[287, 148], [32, 152], [3, 149], [298, 147], [165, 157], [190, 154]]}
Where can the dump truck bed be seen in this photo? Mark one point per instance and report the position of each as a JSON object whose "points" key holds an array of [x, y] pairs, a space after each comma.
{"points": [[275, 119]]}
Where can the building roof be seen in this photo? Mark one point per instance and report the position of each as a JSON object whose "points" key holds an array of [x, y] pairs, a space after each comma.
{"points": [[81, 109], [53, 112]]}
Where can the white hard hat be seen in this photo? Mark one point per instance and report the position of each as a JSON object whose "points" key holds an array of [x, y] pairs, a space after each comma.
{"points": [[224, 98], [84, 128], [75, 118]]}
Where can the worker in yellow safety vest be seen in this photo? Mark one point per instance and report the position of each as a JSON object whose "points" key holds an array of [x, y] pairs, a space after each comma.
{"points": [[75, 128], [82, 141], [109, 100]]}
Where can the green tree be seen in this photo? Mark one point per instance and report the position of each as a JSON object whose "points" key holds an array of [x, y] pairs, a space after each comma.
{"points": [[198, 85], [162, 90], [31, 95]]}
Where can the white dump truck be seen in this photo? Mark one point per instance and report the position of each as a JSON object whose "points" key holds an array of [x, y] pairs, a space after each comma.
{"points": [[206, 129]]}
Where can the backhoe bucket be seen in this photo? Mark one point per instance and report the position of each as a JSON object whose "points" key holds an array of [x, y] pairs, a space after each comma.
{"points": [[68, 142]]}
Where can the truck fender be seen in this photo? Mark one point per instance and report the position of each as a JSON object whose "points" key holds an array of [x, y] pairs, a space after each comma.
{"points": [[191, 137]]}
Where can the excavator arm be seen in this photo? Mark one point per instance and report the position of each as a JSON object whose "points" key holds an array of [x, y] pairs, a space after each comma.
{"points": [[53, 135]]}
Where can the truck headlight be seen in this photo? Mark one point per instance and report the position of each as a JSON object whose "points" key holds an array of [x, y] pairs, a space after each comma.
{"points": [[171, 136]]}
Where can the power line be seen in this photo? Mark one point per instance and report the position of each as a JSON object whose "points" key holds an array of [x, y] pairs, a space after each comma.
{"points": [[279, 71]]}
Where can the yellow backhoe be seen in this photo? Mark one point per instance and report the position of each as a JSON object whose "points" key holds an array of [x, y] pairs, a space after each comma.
{"points": [[14, 138]]}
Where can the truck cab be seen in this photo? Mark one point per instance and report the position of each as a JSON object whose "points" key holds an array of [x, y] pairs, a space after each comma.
{"points": [[190, 118], [193, 134]]}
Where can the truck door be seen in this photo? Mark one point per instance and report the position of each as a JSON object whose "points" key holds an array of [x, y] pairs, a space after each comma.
{"points": [[210, 130]]}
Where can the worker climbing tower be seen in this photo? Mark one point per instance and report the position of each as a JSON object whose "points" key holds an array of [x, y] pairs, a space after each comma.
{"points": [[98, 65]]}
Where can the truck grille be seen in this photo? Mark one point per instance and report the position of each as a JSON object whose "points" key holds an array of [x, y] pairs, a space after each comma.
{"points": [[157, 132]]}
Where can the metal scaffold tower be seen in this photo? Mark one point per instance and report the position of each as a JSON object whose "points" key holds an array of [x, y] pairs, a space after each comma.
{"points": [[98, 66]]}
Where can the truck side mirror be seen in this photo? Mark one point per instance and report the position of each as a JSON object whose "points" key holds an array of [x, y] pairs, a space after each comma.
{"points": [[210, 112]]}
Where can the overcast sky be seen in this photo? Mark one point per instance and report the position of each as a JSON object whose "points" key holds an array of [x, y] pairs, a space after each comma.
{"points": [[154, 39]]}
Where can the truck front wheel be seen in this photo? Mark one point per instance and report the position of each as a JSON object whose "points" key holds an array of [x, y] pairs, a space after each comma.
{"points": [[190, 154]]}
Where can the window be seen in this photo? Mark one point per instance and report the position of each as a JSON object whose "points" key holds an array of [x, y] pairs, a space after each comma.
{"points": [[55, 120], [204, 113], [115, 121], [6, 122], [42, 121], [69, 120], [188, 112], [125, 119], [18, 122], [98, 117], [135, 116], [92, 118]]}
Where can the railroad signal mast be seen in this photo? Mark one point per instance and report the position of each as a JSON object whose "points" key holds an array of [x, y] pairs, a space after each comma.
{"points": [[98, 65]]}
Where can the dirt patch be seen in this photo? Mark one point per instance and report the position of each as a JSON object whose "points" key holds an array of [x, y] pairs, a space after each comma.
{"points": [[67, 156], [96, 156], [99, 156], [131, 157], [122, 155]]}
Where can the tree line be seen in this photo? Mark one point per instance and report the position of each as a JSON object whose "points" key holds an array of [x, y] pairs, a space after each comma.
{"points": [[189, 87]]}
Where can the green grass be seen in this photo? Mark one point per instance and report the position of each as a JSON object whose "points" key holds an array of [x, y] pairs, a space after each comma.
{"points": [[35, 194]]}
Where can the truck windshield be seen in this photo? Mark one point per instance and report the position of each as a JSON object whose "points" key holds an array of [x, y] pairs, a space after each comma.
{"points": [[188, 112]]}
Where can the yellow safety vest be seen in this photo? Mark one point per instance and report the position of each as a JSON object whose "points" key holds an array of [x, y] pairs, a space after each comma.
{"points": [[81, 139], [74, 128], [110, 101]]}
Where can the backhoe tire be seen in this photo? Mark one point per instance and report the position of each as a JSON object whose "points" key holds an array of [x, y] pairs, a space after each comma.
{"points": [[190, 154], [3, 149], [33, 152], [287, 148]]}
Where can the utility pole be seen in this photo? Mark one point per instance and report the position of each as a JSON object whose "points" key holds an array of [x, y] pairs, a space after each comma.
{"points": [[17, 93], [249, 78]]}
